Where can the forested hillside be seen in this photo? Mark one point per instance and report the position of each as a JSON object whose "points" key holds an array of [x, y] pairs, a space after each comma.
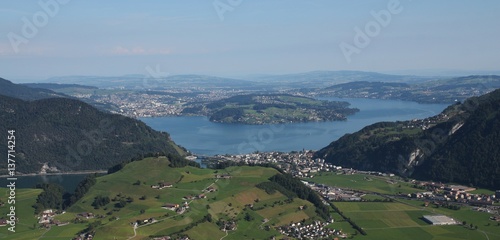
{"points": [[458, 145], [70, 135]]}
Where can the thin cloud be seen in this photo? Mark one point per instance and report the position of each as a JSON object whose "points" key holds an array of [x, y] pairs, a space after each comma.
{"points": [[119, 50]]}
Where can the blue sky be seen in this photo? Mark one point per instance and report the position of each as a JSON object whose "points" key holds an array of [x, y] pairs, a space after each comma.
{"points": [[251, 37]]}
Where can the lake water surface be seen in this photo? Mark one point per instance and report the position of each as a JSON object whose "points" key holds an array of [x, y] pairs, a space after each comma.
{"points": [[203, 137]]}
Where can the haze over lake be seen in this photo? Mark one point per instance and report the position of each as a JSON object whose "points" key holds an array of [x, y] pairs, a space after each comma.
{"points": [[200, 136]]}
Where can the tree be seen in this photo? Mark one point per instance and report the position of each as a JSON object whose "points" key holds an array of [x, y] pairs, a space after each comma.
{"points": [[100, 201], [248, 217]]}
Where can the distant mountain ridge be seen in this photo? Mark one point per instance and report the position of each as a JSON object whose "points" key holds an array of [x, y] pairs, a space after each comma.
{"points": [[152, 82], [441, 90], [322, 79], [311, 79], [55, 86], [459, 145]]}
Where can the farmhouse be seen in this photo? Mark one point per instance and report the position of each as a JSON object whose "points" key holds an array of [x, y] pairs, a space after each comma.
{"points": [[86, 215], [439, 220], [162, 185], [170, 206], [222, 176]]}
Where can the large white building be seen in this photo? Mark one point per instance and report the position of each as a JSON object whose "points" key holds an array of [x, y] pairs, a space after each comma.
{"points": [[439, 220]]}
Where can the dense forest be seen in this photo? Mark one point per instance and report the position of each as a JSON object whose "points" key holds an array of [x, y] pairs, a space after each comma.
{"points": [[462, 149], [70, 135]]}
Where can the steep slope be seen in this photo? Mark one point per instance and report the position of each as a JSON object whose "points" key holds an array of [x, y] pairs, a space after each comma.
{"points": [[70, 135], [460, 145], [472, 154]]}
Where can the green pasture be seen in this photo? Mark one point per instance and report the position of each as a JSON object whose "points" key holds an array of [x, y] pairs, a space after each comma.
{"points": [[384, 185]]}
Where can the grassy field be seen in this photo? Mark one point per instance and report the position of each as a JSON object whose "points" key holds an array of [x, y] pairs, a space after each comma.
{"points": [[364, 182], [228, 201], [402, 221]]}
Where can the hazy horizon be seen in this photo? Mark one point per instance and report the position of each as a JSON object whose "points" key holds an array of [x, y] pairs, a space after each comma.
{"points": [[240, 38]]}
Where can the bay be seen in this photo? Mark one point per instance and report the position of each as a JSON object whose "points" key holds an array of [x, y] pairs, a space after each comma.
{"points": [[202, 137]]}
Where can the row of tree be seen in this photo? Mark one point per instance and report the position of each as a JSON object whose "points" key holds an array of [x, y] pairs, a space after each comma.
{"points": [[294, 185]]}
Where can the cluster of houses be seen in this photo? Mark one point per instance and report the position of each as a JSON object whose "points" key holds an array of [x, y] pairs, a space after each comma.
{"points": [[229, 225], [315, 230], [452, 193], [46, 219], [335, 194], [427, 122], [299, 164]]}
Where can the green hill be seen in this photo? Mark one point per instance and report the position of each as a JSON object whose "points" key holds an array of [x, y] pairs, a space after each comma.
{"points": [[127, 197], [69, 135], [459, 145], [271, 109]]}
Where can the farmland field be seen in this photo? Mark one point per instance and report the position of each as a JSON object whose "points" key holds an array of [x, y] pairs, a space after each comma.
{"points": [[228, 200], [402, 219], [384, 185]]}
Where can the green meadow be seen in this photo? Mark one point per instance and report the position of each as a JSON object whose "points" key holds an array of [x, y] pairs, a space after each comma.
{"points": [[384, 185], [402, 219], [229, 201]]}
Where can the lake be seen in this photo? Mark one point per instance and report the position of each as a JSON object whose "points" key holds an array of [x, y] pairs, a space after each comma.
{"points": [[203, 137], [200, 136]]}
